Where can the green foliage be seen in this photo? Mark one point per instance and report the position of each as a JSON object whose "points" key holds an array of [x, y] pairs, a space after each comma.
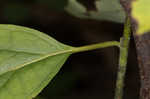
{"points": [[76, 9], [29, 60], [141, 13], [106, 10]]}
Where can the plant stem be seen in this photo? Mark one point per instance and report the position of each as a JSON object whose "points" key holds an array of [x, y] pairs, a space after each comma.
{"points": [[124, 44], [95, 46]]}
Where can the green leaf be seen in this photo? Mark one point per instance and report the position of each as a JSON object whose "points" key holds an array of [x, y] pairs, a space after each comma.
{"points": [[4, 78], [106, 10], [110, 10], [141, 12], [76, 9], [29, 59]]}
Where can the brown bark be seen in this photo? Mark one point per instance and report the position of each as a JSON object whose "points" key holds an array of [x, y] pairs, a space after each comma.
{"points": [[143, 52]]}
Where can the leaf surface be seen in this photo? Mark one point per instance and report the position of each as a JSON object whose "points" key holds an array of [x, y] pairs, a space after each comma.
{"points": [[29, 59], [141, 12]]}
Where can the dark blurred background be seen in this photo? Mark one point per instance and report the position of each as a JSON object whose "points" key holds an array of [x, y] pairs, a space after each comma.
{"points": [[87, 75]]}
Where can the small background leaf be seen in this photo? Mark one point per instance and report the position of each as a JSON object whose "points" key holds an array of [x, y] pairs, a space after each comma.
{"points": [[76, 9], [140, 11], [106, 10]]}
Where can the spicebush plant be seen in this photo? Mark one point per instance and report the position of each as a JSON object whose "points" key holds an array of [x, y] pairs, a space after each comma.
{"points": [[29, 59]]}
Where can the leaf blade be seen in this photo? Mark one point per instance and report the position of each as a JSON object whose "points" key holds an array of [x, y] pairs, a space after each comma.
{"points": [[24, 69], [38, 52], [32, 87]]}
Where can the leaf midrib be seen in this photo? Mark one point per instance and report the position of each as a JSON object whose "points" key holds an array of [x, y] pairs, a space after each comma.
{"points": [[17, 51], [36, 60]]}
